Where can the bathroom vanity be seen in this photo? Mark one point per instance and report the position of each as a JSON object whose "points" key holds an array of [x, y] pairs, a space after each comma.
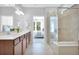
{"points": [[14, 44]]}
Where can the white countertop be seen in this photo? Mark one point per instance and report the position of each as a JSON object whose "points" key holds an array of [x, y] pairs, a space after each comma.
{"points": [[12, 36]]}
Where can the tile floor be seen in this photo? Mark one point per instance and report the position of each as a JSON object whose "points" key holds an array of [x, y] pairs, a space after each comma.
{"points": [[39, 47]]}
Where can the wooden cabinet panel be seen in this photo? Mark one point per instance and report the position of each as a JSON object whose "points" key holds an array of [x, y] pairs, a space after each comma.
{"points": [[18, 49], [24, 46], [6, 47], [29, 37]]}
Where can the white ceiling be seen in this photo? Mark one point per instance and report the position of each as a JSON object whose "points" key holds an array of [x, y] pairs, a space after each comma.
{"points": [[36, 5], [7, 5], [41, 5], [30, 5]]}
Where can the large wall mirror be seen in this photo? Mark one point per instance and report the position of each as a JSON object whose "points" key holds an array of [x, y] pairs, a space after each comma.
{"points": [[6, 22]]}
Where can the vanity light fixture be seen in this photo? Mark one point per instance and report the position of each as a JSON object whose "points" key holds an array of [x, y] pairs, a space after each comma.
{"points": [[21, 12], [18, 11]]}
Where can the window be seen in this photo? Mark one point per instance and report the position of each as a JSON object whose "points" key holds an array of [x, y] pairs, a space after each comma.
{"points": [[6, 21], [52, 23], [38, 26], [38, 23]]}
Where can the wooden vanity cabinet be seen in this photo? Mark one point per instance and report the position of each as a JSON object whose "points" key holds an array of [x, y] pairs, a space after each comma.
{"points": [[15, 46], [24, 41], [21, 46], [28, 38]]}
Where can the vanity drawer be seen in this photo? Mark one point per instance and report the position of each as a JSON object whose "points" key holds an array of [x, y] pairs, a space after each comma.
{"points": [[16, 41]]}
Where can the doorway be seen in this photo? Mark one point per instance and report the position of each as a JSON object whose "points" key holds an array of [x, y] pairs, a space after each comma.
{"points": [[38, 28]]}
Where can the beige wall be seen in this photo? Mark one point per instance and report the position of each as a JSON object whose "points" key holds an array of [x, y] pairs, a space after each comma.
{"points": [[68, 24]]}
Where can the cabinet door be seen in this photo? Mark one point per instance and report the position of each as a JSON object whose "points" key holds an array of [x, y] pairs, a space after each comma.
{"points": [[29, 37], [6, 47], [18, 49], [24, 45], [26, 37]]}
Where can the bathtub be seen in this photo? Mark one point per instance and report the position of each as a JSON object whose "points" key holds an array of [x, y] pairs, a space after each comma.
{"points": [[66, 48]]}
